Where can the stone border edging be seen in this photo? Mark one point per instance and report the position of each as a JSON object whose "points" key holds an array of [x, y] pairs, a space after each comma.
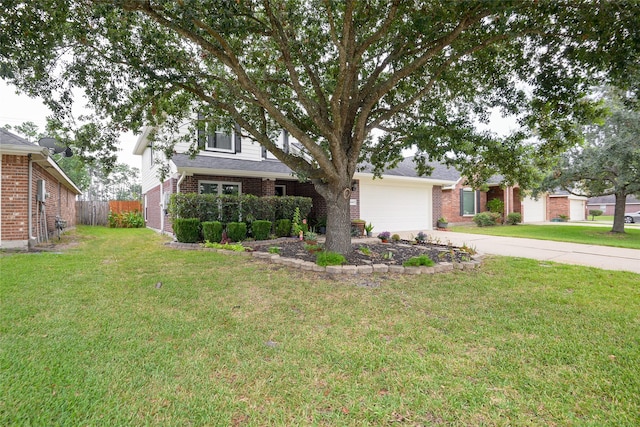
{"points": [[341, 269]]}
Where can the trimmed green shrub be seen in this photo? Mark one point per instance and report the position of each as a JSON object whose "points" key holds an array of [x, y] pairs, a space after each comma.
{"points": [[484, 219], [514, 218], [212, 231], [283, 227], [286, 206], [237, 231], [261, 229], [594, 213], [187, 230], [324, 259], [417, 261], [258, 208], [495, 205]]}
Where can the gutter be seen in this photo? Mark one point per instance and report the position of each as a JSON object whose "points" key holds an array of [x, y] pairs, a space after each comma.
{"points": [[182, 177]]}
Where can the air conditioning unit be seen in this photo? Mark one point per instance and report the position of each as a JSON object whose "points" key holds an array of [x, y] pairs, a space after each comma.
{"points": [[42, 190]]}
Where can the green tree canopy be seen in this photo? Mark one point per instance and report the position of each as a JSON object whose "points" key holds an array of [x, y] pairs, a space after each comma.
{"points": [[333, 72], [609, 161]]}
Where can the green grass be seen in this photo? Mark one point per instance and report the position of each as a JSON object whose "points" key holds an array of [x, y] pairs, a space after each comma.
{"points": [[587, 234], [89, 337]]}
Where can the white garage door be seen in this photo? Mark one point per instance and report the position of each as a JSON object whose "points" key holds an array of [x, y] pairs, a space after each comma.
{"points": [[394, 206], [576, 210], [534, 210]]}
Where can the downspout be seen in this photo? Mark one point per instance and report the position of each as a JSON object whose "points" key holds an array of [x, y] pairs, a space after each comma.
{"points": [[182, 177], [30, 237], [162, 208]]}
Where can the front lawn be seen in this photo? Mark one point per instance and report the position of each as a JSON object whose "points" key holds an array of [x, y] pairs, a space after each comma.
{"points": [[591, 235], [123, 330]]}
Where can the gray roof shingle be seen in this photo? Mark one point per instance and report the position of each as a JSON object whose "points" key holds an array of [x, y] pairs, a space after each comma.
{"points": [[8, 138]]}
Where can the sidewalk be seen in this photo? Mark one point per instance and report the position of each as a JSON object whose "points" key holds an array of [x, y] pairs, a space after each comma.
{"points": [[604, 257]]}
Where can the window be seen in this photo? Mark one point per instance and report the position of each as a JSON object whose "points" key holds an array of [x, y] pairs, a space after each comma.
{"points": [[215, 139], [215, 187], [468, 202], [281, 190]]}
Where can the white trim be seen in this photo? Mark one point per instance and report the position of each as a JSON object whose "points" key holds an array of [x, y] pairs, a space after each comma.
{"points": [[220, 184], [284, 188]]}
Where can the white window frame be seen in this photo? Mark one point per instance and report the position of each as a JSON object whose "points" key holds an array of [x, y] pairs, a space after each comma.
{"points": [[211, 138], [475, 201], [220, 185], [284, 188]]}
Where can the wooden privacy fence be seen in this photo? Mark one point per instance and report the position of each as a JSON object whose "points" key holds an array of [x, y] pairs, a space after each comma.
{"points": [[92, 212], [97, 212], [119, 206]]}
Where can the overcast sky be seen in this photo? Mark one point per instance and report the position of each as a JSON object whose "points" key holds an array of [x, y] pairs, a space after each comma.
{"points": [[16, 109]]}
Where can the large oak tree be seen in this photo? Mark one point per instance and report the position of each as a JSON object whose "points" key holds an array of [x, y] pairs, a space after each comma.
{"points": [[331, 73], [608, 163]]}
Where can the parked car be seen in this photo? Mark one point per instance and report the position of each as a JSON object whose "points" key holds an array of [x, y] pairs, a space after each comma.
{"points": [[632, 217]]}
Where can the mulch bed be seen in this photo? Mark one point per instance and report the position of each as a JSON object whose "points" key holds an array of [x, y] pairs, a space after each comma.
{"points": [[367, 252]]}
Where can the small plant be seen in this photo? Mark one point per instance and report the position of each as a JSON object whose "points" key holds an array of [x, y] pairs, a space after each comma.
{"points": [[368, 228], [283, 227], [395, 238], [421, 237], [365, 250], [310, 236], [514, 218], [418, 261], [387, 255], [471, 250], [324, 259], [442, 219], [295, 223], [313, 248], [274, 250], [384, 236], [594, 213], [235, 247], [563, 218]]}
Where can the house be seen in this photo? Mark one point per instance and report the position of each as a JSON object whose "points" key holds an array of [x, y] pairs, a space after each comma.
{"points": [[229, 164], [33, 191], [607, 204], [462, 202]]}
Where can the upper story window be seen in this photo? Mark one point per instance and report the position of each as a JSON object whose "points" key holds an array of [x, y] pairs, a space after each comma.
{"points": [[215, 139]]}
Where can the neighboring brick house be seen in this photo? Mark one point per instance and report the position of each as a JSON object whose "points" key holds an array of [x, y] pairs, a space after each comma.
{"points": [[26, 173], [229, 164], [607, 204], [462, 202]]}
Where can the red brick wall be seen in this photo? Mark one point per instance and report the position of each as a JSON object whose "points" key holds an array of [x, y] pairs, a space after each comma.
{"points": [[14, 220], [451, 205], [557, 206], [14, 181]]}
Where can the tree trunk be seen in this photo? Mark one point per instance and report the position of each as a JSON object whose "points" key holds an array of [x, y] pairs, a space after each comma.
{"points": [[337, 198], [618, 214]]}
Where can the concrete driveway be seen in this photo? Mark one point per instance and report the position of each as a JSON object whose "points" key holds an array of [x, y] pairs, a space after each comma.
{"points": [[604, 257]]}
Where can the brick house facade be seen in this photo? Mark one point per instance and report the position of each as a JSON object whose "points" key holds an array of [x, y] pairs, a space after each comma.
{"points": [[24, 219]]}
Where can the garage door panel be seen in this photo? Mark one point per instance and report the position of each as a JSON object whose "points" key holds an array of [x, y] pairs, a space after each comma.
{"points": [[394, 207], [534, 210]]}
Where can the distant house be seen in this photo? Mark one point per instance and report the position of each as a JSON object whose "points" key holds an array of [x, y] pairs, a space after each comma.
{"points": [[607, 204], [229, 164], [461, 203], [33, 191]]}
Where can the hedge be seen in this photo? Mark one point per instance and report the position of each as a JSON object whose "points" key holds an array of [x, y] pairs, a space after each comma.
{"points": [[261, 229], [242, 208]]}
